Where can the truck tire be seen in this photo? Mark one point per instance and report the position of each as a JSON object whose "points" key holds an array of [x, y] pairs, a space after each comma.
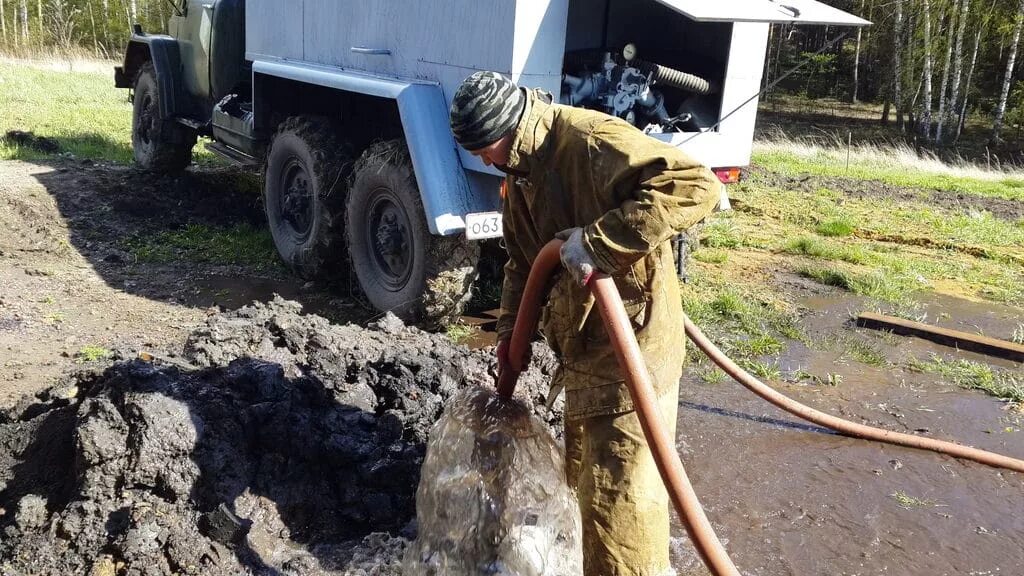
{"points": [[303, 195], [402, 267], [158, 145]]}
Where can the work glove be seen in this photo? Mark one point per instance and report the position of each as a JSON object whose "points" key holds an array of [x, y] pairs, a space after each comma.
{"points": [[502, 353], [575, 256]]}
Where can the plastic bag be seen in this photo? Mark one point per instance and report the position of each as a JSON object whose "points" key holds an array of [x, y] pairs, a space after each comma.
{"points": [[492, 497]]}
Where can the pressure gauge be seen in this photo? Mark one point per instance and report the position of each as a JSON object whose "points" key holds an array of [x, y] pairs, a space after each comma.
{"points": [[629, 52]]}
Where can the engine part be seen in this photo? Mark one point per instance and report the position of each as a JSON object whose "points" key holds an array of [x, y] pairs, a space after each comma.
{"points": [[626, 89]]}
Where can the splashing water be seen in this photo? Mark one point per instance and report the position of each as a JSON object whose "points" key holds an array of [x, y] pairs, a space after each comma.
{"points": [[492, 497]]}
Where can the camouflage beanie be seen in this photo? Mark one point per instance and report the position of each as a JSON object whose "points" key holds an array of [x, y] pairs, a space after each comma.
{"points": [[486, 107]]}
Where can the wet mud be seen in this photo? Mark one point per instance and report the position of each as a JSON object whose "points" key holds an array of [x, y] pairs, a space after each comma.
{"points": [[791, 498], [277, 443]]}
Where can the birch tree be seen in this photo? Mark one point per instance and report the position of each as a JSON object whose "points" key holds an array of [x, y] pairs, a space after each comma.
{"points": [[958, 65], [997, 125], [926, 75], [897, 64], [856, 58], [945, 69], [3, 22]]}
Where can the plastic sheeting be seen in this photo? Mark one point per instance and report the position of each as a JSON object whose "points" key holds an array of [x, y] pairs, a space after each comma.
{"points": [[492, 497]]}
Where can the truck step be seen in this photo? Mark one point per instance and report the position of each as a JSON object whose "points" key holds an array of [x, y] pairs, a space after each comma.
{"points": [[236, 157]]}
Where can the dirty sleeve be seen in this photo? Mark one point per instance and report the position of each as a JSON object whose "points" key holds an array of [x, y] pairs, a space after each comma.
{"points": [[517, 268], [660, 191]]}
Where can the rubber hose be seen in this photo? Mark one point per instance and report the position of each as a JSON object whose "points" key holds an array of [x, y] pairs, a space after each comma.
{"points": [[675, 78], [641, 390], [838, 424]]}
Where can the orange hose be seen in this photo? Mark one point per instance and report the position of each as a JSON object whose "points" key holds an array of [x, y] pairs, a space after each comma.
{"points": [[620, 332], [838, 424]]}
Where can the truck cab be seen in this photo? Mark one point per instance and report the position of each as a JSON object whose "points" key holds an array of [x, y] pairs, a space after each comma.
{"points": [[343, 105]]}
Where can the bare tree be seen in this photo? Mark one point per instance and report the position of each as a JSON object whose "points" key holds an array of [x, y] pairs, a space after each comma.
{"points": [[926, 107], [945, 69], [997, 125], [61, 22], [897, 64]]}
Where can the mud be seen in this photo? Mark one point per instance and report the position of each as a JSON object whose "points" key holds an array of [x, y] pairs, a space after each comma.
{"points": [[277, 443], [789, 498], [854, 188]]}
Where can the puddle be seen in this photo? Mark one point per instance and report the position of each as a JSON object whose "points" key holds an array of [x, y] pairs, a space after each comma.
{"points": [[792, 499], [484, 324]]}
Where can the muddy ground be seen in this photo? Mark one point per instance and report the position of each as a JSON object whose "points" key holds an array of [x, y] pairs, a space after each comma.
{"points": [[787, 498]]}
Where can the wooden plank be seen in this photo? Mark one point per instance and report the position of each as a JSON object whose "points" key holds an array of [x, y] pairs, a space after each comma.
{"points": [[945, 336]]}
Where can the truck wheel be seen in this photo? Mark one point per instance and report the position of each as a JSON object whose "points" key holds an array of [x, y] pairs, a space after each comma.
{"points": [[400, 265], [303, 194], [159, 145]]}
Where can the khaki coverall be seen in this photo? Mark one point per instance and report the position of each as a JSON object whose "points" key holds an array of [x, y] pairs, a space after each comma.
{"points": [[571, 167]]}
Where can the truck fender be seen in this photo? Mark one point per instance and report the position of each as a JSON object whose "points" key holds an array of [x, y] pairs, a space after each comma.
{"points": [[447, 194], [163, 52]]}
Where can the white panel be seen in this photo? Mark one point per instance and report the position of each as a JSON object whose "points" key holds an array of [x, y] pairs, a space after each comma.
{"points": [[539, 37], [273, 28], [791, 11]]}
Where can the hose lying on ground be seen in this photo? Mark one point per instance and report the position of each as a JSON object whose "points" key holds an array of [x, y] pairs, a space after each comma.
{"points": [[838, 424]]}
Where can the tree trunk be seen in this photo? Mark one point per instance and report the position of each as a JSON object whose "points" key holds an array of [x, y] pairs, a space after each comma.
{"points": [[897, 64], [3, 22], [970, 76], [945, 72], [39, 18], [997, 126], [926, 106], [856, 59], [23, 13], [958, 66], [95, 37]]}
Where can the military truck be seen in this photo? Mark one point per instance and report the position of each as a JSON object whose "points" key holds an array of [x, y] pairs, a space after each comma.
{"points": [[343, 104]]}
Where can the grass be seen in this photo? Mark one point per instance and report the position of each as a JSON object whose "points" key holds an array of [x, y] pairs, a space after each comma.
{"points": [[896, 164], [459, 331], [835, 227], [720, 234], [241, 244], [761, 369], [82, 110], [908, 502], [829, 250], [93, 353], [975, 376], [875, 284], [711, 256], [864, 352]]}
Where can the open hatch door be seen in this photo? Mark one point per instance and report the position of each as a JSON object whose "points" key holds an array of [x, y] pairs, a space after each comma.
{"points": [[779, 11]]}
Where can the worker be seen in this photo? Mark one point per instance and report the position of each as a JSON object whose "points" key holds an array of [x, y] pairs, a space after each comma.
{"points": [[616, 197]]}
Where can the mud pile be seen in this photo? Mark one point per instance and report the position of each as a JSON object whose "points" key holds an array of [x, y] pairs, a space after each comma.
{"points": [[279, 444]]}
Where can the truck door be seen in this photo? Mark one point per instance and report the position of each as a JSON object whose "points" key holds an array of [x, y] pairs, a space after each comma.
{"points": [[193, 29]]}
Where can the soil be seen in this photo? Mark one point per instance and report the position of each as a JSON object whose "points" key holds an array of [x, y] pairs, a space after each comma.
{"points": [[275, 444]]}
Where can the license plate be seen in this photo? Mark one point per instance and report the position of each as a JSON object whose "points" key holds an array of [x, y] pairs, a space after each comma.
{"points": [[483, 225]]}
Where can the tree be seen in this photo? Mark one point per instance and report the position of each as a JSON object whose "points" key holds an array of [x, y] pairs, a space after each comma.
{"points": [[926, 107], [945, 72], [23, 13], [997, 125], [897, 64], [958, 64], [3, 22], [856, 59]]}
